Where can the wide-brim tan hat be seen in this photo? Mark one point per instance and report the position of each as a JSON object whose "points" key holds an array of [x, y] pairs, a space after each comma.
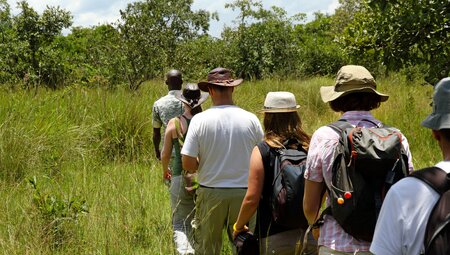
{"points": [[351, 79], [440, 117], [280, 101], [221, 77], [191, 95]]}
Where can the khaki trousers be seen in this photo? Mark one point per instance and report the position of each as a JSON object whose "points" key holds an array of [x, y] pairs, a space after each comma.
{"points": [[215, 209]]}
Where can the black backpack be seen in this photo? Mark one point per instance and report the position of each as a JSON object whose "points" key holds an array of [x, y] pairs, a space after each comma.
{"points": [[437, 233], [366, 164], [288, 187]]}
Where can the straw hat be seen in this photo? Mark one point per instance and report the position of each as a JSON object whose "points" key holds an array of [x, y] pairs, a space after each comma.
{"points": [[191, 95], [440, 117], [351, 79], [280, 101], [221, 77]]}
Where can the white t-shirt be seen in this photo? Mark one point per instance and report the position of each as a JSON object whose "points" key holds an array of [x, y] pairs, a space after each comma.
{"points": [[223, 138], [402, 221]]}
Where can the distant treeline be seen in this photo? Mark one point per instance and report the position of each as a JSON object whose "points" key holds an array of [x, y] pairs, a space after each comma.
{"points": [[152, 36]]}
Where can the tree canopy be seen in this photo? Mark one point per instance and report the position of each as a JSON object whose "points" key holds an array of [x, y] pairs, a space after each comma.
{"points": [[153, 36]]}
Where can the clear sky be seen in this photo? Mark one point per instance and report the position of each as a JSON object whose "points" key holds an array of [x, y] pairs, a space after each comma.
{"points": [[96, 12]]}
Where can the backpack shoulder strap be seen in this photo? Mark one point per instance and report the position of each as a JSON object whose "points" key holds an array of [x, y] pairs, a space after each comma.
{"points": [[340, 125], [439, 180], [435, 177], [179, 131]]}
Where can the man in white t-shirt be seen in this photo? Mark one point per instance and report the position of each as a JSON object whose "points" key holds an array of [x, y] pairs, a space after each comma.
{"points": [[404, 215], [218, 144]]}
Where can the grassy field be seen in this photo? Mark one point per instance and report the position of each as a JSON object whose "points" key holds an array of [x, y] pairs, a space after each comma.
{"points": [[78, 174]]}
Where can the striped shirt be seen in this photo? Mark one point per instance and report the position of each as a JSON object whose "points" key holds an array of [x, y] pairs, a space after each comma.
{"points": [[318, 169]]}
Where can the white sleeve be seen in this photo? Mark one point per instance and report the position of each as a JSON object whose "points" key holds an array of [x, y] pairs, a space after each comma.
{"points": [[191, 142], [408, 153], [388, 236]]}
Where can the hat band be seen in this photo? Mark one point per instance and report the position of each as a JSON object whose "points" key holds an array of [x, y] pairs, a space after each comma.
{"points": [[222, 81], [279, 108], [353, 86]]}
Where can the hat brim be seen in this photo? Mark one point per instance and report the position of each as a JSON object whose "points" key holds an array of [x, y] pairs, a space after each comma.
{"points": [[201, 100], [437, 121], [328, 94], [203, 85], [279, 110]]}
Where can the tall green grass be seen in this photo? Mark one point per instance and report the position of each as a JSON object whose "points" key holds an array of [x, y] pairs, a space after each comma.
{"points": [[94, 146]]}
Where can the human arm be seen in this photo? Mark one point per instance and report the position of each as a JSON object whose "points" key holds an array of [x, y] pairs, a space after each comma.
{"points": [[312, 200], [167, 149], [157, 124], [190, 164], [156, 141], [190, 150], [253, 195]]}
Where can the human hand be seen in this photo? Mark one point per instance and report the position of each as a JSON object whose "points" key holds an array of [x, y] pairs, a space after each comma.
{"points": [[316, 233], [237, 231], [167, 175]]}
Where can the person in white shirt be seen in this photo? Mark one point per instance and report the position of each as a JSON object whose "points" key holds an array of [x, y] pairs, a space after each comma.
{"points": [[404, 215], [218, 144]]}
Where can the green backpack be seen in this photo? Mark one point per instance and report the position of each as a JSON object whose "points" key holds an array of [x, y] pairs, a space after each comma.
{"points": [[190, 180]]}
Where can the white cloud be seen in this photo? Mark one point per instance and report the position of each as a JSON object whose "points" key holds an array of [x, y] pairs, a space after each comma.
{"points": [[333, 6]]}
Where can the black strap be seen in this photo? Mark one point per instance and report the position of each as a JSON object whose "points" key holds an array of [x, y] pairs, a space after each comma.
{"points": [[435, 177]]}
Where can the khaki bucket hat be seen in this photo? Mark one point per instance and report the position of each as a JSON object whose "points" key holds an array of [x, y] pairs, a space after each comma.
{"points": [[221, 77], [440, 117], [351, 79], [280, 101]]}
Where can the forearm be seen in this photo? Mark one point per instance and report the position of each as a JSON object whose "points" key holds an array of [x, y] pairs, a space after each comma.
{"points": [[156, 141], [312, 200], [165, 159], [248, 209], [190, 164]]}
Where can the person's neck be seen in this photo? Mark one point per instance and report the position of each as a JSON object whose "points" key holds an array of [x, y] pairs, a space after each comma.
{"points": [[222, 101], [188, 114], [445, 148]]}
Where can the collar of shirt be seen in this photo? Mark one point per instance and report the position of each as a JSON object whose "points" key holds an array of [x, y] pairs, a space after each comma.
{"points": [[172, 92], [360, 118]]}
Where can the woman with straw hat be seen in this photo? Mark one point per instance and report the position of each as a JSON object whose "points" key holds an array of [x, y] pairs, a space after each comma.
{"points": [[283, 127], [181, 189]]}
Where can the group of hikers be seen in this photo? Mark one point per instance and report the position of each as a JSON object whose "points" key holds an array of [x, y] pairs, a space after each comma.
{"points": [[223, 169]]}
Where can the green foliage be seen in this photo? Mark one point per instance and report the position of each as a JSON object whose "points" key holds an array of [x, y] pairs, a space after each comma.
{"points": [[150, 33], [27, 50], [59, 215], [402, 33], [319, 53], [263, 40]]}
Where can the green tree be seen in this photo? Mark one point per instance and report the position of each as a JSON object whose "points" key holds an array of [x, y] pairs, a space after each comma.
{"points": [[151, 31], [94, 53], [8, 44], [38, 33], [262, 40], [318, 50], [402, 33]]}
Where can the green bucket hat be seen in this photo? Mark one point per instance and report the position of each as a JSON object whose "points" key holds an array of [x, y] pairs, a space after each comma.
{"points": [[351, 79], [440, 117]]}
